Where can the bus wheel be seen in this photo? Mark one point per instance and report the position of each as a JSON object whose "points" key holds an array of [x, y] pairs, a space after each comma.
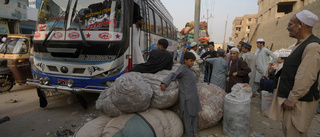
{"points": [[42, 99], [82, 101]]}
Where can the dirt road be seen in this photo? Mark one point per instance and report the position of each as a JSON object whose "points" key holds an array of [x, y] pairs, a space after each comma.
{"points": [[65, 114]]}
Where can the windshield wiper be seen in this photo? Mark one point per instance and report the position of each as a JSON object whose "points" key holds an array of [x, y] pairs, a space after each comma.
{"points": [[85, 43], [52, 28], [56, 21]]}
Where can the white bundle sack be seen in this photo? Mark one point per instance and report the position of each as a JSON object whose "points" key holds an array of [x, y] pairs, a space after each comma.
{"points": [[167, 72], [240, 92], [162, 99], [105, 104], [237, 111], [266, 101], [131, 93]]}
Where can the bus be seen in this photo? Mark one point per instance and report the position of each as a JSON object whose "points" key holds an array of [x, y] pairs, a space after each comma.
{"points": [[84, 45]]}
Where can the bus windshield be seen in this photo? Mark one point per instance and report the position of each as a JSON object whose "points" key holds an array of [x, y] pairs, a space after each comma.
{"points": [[98, 20]]}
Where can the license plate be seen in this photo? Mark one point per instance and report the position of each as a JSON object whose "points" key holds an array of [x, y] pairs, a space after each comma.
{"points": [[62, 81]]}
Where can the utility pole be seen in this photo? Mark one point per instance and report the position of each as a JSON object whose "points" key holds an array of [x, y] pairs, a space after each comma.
{"points": [[207, 18], [196, 22], [225, 31]]}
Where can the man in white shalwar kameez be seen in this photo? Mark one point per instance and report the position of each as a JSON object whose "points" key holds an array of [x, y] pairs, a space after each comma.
{"points": [[136, 51], [198, 60], [262, 63]]}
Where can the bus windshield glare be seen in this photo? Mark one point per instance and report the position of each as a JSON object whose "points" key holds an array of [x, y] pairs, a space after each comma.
{"points": [[89, 16]]}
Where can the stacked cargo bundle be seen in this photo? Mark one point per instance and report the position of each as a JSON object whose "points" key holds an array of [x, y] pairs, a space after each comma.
{"points": [[137, 97]]}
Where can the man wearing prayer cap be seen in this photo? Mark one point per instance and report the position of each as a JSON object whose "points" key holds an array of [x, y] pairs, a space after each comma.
{"points": [[193, 49], [262, 63], [250, 59], [237, 69], [230, 45], [297, 94], [219, 70]]}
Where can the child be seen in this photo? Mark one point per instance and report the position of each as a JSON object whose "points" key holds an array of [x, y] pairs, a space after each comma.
{"points": [[189, 100]]}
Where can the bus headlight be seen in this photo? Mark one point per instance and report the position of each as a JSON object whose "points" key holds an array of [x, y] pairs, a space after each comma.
{"points": [[35, 76], [41, 81], [46, 81], [70, 83]]}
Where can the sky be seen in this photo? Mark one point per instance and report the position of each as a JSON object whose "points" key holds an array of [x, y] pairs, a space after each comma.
{"points": [[182, 12]]}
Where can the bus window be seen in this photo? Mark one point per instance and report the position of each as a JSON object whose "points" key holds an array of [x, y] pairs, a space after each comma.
{"points": [[139, 6], [165, 28], [174, 33], [145, 16], [142, 10], [158, 24], [169, 31], [151, 19]]}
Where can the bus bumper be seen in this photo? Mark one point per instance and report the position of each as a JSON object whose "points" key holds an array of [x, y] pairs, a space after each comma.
{"points": [[65, 89]]}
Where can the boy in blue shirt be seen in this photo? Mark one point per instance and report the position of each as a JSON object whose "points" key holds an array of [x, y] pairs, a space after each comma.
{"points": [[189, 100]]}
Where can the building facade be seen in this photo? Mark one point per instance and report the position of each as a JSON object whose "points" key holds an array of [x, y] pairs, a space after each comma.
{"points": [[272, 21], [16, 17], [273, 9], [242, 26]]}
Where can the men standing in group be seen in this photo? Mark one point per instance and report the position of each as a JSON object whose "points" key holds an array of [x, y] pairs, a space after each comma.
{"points": [[297, 93], [262, 63], [136, 27], [250, 59], [198, 60]]}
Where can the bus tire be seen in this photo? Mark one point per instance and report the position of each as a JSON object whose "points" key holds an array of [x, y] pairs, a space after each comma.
{"points": [[42, 99]]}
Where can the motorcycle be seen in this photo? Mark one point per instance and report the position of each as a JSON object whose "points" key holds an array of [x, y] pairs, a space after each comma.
{"points": [[6, 77]]}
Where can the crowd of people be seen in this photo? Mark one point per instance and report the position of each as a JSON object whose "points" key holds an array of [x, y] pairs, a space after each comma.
{"points": [[295, 76]]}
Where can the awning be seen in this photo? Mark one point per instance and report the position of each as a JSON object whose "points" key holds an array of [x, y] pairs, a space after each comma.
{"points": [[27, 27]]}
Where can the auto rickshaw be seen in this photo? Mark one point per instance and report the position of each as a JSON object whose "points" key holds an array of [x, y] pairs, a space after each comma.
{"points": [[15, 52]]}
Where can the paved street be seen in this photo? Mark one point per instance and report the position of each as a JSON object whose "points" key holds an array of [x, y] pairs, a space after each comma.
{"points": [[64, 113], [29, 120]]}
